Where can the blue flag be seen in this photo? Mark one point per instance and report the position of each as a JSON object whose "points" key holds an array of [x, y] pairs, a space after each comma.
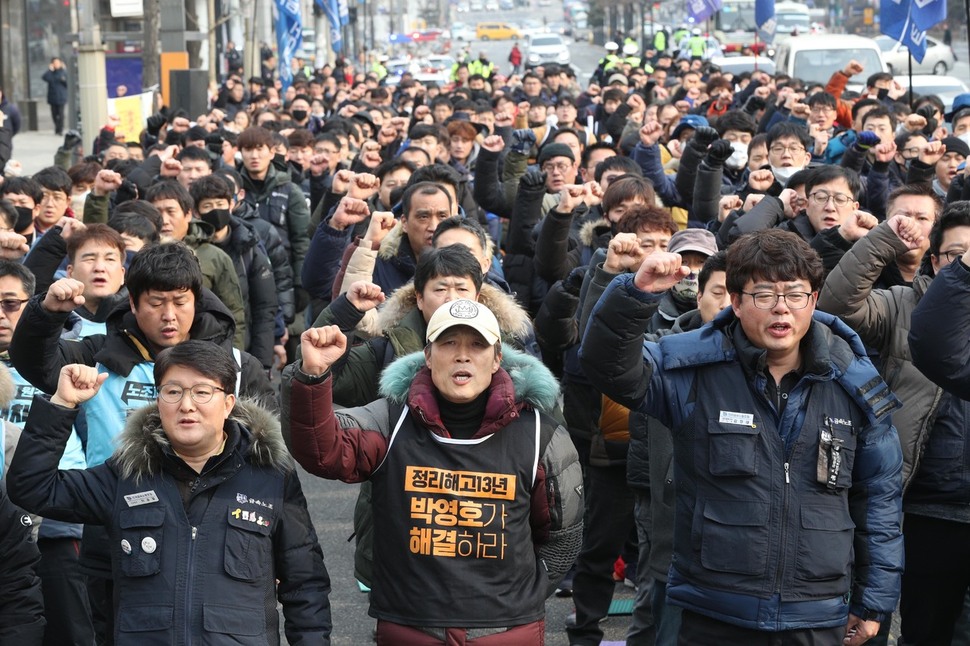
{"points": [[289, 37], [764, 18], [701, 10], [332, 11], [908, 21]]}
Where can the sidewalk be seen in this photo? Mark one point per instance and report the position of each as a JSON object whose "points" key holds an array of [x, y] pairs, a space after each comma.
{"points": [[35, 150]]}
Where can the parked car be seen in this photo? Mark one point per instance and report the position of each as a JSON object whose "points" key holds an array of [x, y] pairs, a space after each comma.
{"points": [[939, 58], [496, 31], [945, 87], [543, 49], [738, 64]]}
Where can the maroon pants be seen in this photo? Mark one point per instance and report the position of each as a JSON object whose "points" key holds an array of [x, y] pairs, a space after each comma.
{"points": [[389, 634]]}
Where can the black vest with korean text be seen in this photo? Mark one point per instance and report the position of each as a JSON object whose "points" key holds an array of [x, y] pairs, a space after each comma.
{"points": [[452, 541]]}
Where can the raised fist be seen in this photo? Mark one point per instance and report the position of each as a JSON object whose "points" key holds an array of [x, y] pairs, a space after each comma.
{"points": [[64, 295], [321, 348], [660, 271], [365, 296]]}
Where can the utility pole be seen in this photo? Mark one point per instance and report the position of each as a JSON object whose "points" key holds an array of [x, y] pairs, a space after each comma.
{"points": [[92, 80]]}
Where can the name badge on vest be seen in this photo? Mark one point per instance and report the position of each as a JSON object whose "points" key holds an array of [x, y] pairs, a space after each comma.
{"points": [[141, 498], [741, 419]]}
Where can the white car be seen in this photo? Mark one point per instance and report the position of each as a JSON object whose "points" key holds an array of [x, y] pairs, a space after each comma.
{"points": [[462, 31], [543, 49], [939, 58], [945, 87]]}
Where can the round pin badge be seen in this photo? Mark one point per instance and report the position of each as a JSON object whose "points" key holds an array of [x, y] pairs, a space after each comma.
{"points": [[125, 546], [148, 545]]}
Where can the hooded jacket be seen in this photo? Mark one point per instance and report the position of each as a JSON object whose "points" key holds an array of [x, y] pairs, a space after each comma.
{"points": [[403, 331], [196, 556], [352, 445], [759, 542]]}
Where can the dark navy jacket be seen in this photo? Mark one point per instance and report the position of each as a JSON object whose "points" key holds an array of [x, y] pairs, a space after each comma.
{"points": [[758, 541]]}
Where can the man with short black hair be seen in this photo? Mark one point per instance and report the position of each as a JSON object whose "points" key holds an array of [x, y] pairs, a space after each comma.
{"points": [[786, 463]]}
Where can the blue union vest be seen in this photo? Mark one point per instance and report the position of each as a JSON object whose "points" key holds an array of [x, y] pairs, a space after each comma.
{"points": [[452, 536]]}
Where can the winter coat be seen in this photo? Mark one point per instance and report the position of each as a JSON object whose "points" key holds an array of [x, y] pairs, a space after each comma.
{"points": [[758, 540], [22, 603], [196, 557], [56, 86], [282, 204], [568, 240], [881, 317], [219, 275], [937, 334], [278, 257], [322, 442], [258, 288]]}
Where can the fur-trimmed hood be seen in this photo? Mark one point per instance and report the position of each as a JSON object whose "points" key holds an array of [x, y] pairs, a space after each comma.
{"points": [[533, 381], [513, 321], [590, 231], [391, 244], [141, 445]]}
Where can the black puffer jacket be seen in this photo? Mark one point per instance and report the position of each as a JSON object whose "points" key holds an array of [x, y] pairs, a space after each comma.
{"points": [[257, 285], [21, 604], [199, 554], [278, 258]]}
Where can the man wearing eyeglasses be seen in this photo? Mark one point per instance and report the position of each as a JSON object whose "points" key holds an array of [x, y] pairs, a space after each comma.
{"points": [[167, 305], [206, 521], [830, 219], [786, 463]]}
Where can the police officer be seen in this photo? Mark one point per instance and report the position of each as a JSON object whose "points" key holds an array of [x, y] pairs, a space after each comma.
{"points": [[696, 45], [608, 63]]}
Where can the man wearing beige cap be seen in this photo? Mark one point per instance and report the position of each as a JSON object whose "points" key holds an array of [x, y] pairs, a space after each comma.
{"points": [[695, 246], [477, 492]]}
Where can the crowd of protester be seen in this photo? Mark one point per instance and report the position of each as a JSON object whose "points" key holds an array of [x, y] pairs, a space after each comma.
{"points": [[368, 219]]}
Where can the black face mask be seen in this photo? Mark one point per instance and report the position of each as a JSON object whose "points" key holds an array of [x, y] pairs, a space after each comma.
{"points": [[218, 218], [883, 93], [24, 217], [299, 115]]}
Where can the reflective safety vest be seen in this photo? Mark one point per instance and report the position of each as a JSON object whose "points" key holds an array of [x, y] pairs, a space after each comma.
{"points": [[660, 41], [610, 61], [478, 67], [697, 45], [634, 61]]}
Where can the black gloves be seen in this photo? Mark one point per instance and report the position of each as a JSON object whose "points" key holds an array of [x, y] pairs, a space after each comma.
{"points": [[703, 137], [753, 104], [718, 153], [533, 180]]}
